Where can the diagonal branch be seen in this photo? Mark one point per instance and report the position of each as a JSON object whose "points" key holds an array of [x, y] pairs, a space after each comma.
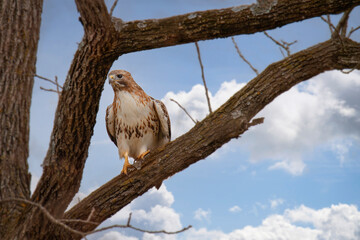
{"points": [[328, 21], [78, 105], [203, 77], [341, 28], [211, 133], [353, 30], [113, 7], [184, 109], [246, 19], [243, 58]]}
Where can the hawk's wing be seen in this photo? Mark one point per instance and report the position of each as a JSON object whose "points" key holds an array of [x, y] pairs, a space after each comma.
{"points": [[110, 123], [164, 119]]}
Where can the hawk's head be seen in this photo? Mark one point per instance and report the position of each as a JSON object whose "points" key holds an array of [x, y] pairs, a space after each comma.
{"points": [[122, 80]]}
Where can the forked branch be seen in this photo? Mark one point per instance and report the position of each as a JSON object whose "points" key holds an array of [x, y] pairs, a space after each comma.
{"points": [[56, 83], [283, 45]]}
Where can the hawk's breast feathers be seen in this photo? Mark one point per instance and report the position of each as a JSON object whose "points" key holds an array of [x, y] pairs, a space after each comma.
{"points": [[135, 122]]}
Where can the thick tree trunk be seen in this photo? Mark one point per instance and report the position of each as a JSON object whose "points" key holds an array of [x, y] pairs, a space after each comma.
{"points": [[105, 39], [19, 35]]}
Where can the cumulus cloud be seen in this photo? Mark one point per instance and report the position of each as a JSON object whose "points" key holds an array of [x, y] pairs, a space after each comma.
{"points": [[235, 209], [152, 211], [195, 103], [201, 214], [323, 111], [336, 222], [113, 235], [340, 221]]}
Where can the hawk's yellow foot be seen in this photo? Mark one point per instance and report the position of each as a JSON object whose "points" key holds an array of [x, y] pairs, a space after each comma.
{"points": [[141, 156], [126, 164]]}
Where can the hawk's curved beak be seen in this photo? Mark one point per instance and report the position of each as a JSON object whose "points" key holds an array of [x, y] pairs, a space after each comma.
{"points": [[111, 79]]}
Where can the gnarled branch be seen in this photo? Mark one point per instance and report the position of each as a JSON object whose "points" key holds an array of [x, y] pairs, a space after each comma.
{"points": [[246, 19], [78, 105], [210, 134]]}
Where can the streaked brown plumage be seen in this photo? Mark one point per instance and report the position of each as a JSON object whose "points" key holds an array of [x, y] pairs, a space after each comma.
{"points": [[135, 122]]}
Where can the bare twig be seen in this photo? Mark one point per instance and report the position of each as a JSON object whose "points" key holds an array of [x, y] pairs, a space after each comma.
{"points": [[350, 70], [353, 30], [184, 110], [243, 58], [91, 214], [61, 222], [203, 77], [328, 21], [342, 25], [282, 44], [138, 229], [57, 86], [56, 83], [49, 80], [282, 52], [113, 7], [49, 90], [129, 219]]}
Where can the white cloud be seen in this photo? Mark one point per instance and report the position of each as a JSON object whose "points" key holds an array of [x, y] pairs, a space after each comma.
{"points": [[341, 148], [336, 222], [195, 103], [152, 211], [274, 203], [201, 214], [323, 111], [235, 209], [113, 235], [340, 221]]}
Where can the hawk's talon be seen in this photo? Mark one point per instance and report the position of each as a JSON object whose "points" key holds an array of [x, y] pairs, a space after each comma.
{"points": [[141, 156]]}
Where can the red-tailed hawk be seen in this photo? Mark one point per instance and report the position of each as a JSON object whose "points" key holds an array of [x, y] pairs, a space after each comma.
{"points": [[135, 122]]}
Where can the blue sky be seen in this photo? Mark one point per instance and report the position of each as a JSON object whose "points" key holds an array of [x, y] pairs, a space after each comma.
{"points": [[294, 177]]}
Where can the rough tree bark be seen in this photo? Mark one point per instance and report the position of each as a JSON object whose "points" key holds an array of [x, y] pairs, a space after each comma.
{"points": [[19, 35], [107, 38], [211, 133]]}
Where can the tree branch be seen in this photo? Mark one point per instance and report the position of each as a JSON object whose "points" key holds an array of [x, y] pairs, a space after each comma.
{"points": [[246, 19], [210, 134], [56, 83], [93, 15], [328, 21], [203, 77], [61, 222], [74, 122], [79, 102], [282, 44], [113, 7], [353, 30], [341, 28], [184, 110], [243, 58]]}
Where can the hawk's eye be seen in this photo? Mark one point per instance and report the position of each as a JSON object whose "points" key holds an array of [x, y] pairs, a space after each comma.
{"points": [[119, 75]]}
